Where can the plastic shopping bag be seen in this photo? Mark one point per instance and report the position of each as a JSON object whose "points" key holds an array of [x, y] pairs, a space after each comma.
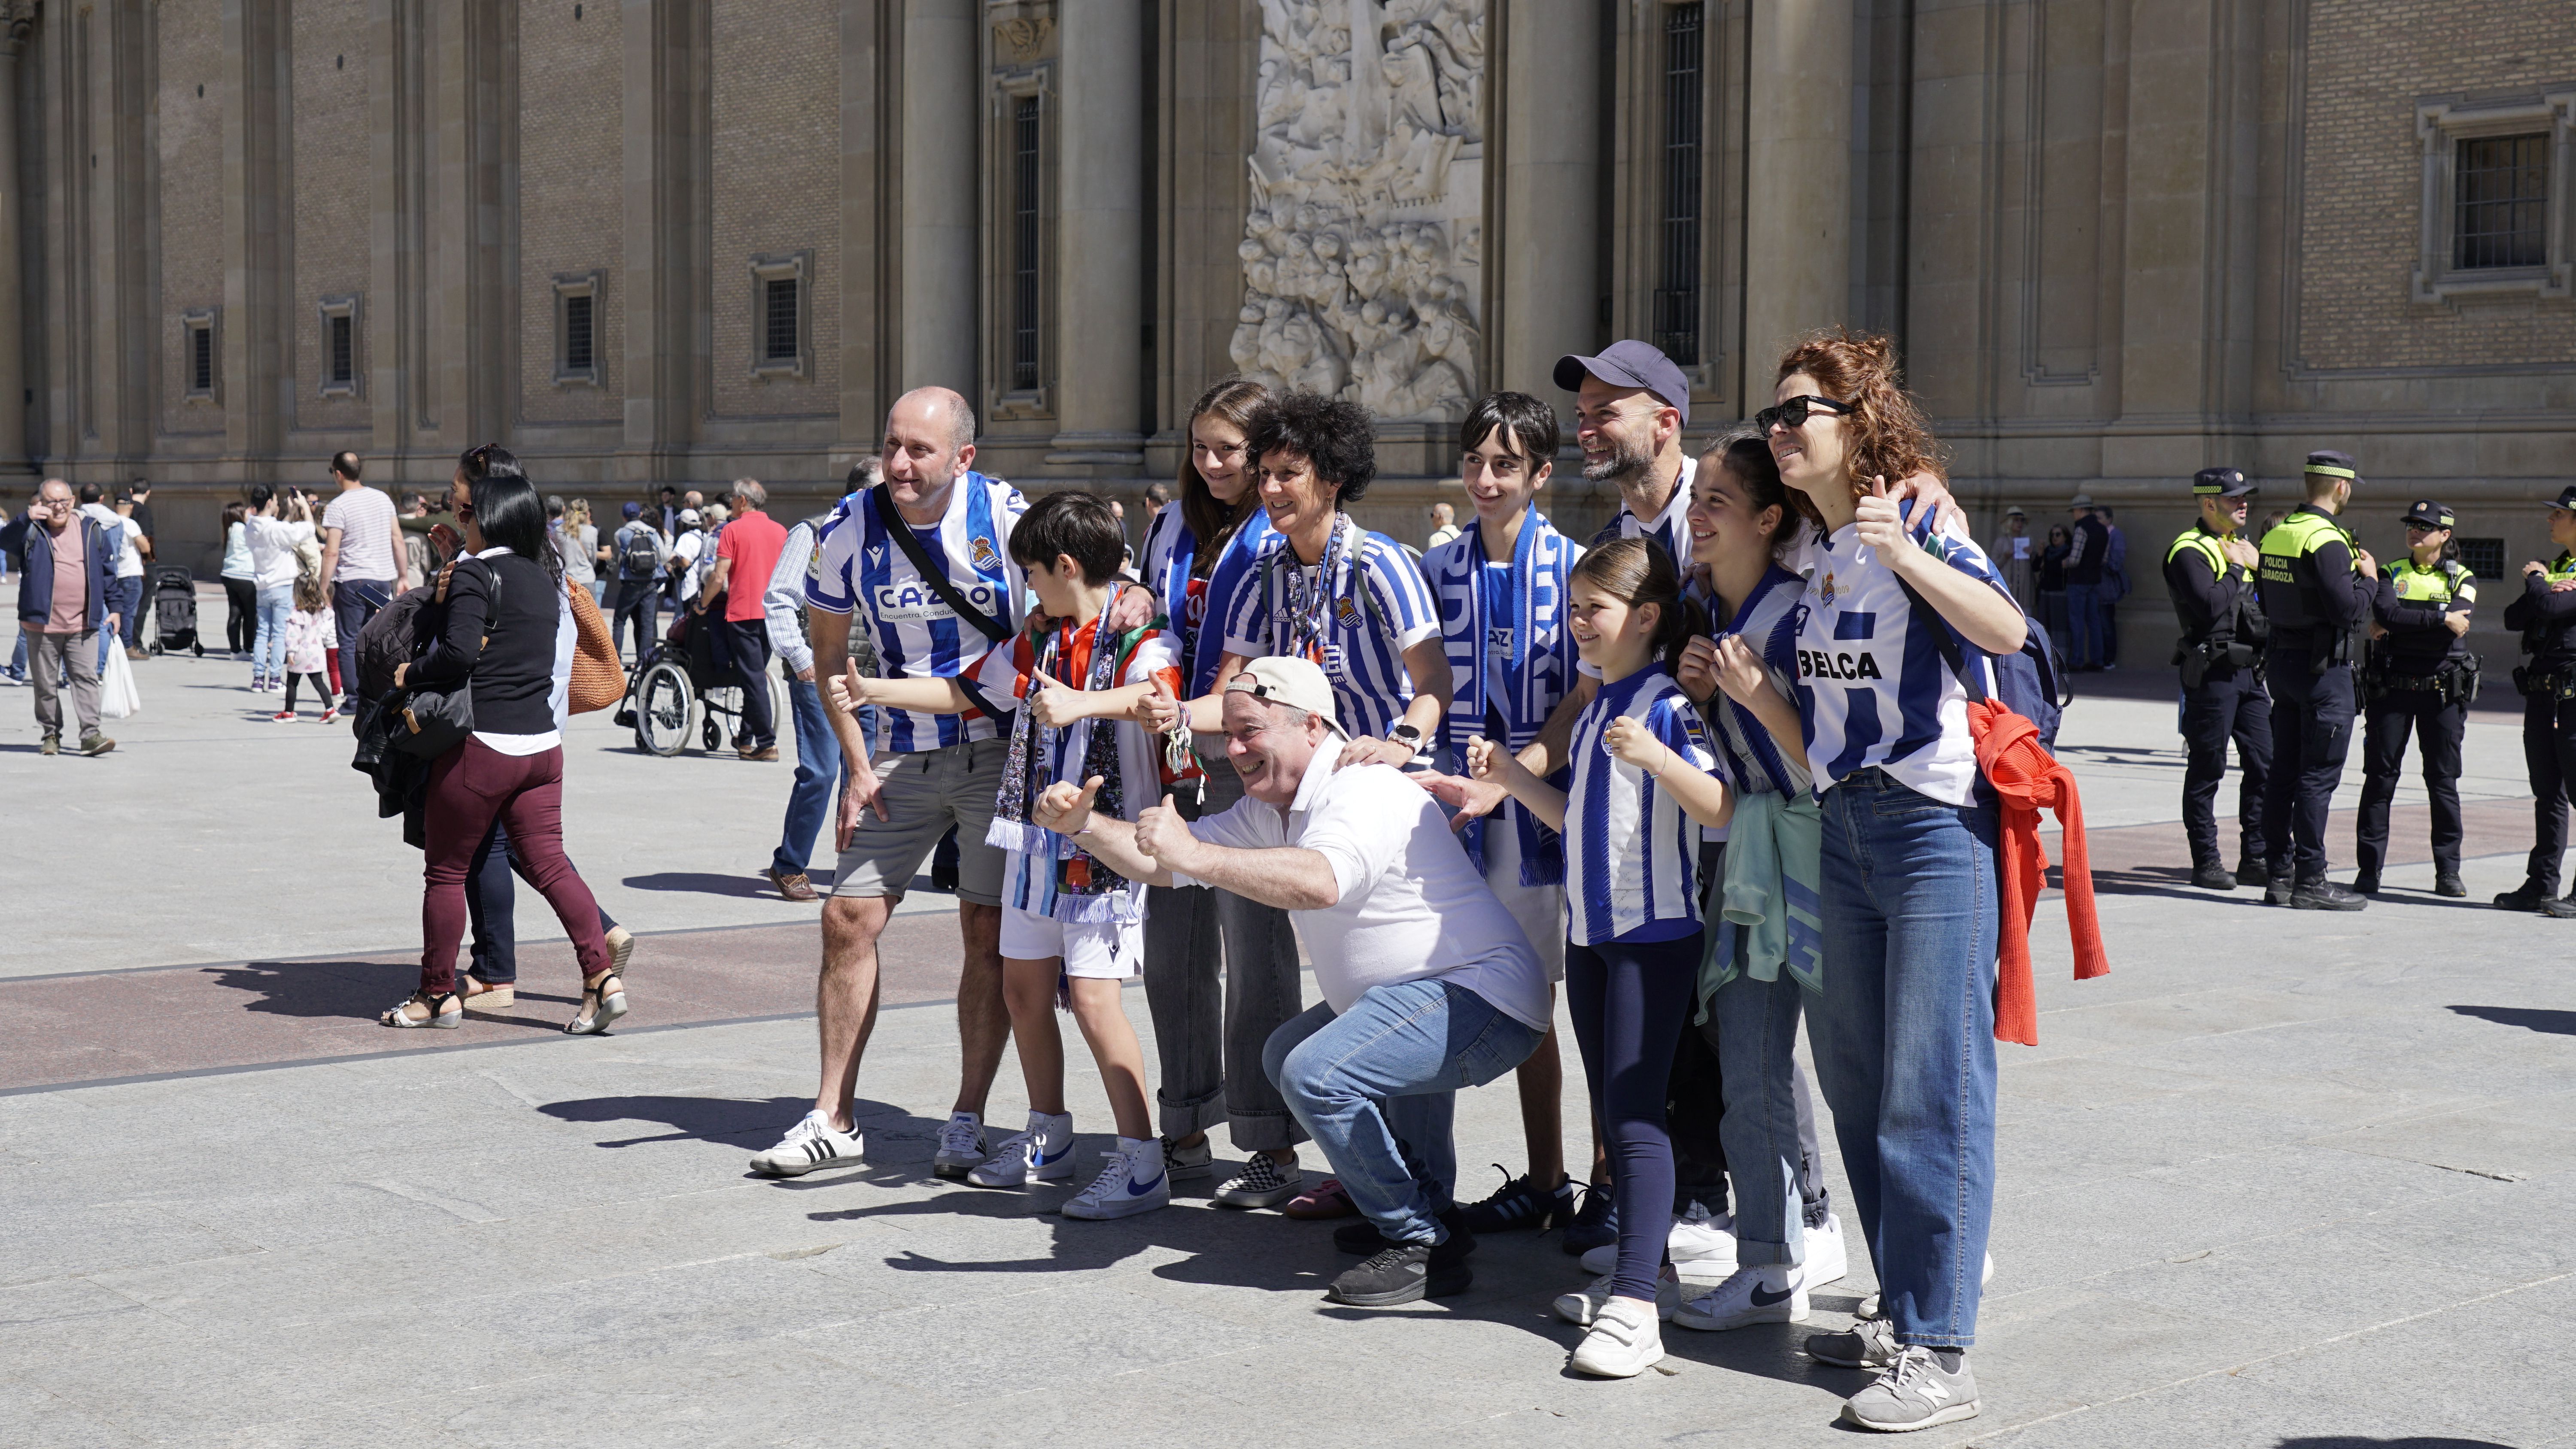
{"points": [[117, 696]]}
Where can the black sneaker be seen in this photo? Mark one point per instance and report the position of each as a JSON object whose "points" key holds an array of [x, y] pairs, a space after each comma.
{"points": [[2528, 896], [1519, 1204], [2366, 883], [1595, 1224], [2561, 909], [2277, 888], [2447, 883], [2325, 895], [1405, 1272], [2212, 877], [2250, 871]]}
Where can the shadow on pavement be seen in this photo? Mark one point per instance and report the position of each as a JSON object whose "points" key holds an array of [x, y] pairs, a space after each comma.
{"points": [[2556, 1023], [702, 1119], [700, 882], [2349, 1441], [349, 990], [1225, 1246]]}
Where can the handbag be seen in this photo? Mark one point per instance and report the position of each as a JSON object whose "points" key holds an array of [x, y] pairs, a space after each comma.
{"points": [[598, 679], [434, 721]]}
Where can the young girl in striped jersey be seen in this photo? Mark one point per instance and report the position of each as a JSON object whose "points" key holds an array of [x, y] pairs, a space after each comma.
{"points": [[1072, 929], [1641, 765]]}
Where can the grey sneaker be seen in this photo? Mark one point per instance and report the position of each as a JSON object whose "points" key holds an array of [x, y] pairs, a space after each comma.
{"points": [[1914, 1392], [961, 1146], [1870, 1344]]}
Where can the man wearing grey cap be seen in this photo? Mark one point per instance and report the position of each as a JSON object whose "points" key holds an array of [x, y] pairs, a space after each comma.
{"points": [[1630, 406], [2209, 574]]}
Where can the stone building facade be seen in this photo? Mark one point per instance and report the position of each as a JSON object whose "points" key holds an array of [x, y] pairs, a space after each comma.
{"points": [[647, 241]]}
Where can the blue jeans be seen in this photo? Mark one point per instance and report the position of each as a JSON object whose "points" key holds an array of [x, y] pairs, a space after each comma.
{"points": [[1757, 1044], [2084, 620], [491, 908], [1905, 1041], [818, 777], [353, 603], [124, 598], [1375, 1087], [268, 653]]}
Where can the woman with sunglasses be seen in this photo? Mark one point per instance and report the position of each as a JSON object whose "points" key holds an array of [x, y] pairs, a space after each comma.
{"points": [[1904, 1029], [507, 625]]}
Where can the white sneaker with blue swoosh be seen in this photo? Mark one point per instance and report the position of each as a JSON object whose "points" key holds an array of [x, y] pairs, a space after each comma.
{"points": [[1758, 1294], [1132, 1181], [1043, 1153]]}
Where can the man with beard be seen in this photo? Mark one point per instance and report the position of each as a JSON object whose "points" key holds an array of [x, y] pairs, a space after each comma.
{"points": [[1630, 406]]}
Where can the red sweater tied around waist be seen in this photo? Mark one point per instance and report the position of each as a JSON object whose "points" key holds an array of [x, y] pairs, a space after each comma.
{"points": [[2028, 780]]}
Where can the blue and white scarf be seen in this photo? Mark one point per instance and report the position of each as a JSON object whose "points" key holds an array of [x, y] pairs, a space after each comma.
{"points": [[1537, 672]]}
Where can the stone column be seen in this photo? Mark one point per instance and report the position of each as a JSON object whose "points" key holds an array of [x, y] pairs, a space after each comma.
{"points": [[941, 96], [1797, 245], [1100, 231], [1550, 113], [17, 20]]}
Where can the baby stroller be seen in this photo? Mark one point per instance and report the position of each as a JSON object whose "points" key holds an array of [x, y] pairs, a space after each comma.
{"points": [[174, 610]]}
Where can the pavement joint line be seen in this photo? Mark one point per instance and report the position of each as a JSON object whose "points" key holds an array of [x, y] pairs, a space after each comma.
{"points": [[410, 949], [2305, 1348]]}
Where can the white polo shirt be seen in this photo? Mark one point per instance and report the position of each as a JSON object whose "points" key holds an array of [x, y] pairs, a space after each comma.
{"points": [[1412, 905]]}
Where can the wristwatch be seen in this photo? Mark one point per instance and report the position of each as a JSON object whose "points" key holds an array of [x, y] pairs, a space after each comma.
{"points": [[1407, 736]]}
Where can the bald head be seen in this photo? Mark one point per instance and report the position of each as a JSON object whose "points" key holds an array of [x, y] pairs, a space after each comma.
{"points": [[934, 406], [929, 444]]}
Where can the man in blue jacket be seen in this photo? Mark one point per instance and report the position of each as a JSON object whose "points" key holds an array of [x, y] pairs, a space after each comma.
{"points": [[67, 573]]}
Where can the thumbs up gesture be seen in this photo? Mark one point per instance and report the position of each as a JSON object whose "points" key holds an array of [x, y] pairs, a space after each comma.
{"points": [[1882, 527], [1159, 710], [1164, 835], [1053, 705], [1065, 810]]}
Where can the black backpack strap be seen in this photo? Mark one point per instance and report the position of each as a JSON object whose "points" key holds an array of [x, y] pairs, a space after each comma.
{"points": [[882, 499]]}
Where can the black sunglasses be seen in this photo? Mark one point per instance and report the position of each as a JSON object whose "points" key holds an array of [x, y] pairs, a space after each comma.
{"points": [[1793, 413]]}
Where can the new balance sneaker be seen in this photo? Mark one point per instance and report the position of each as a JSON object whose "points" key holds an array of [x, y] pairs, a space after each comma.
{"points": [[1867, 1344], [1595, 1223], [961, 1145], [1869, 1307], [1520, 1204], [1699, 1240], [1132, 1181], [1828, 1258], [1626, 1340], [1584, 1305], [1043, 1153], [1188, 1162], [1262, 1183], [1917, 1391], [809, 1146], [1769, 1294], [1405, 1272]]}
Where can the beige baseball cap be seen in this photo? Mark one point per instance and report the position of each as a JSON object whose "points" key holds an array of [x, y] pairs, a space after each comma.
{"points": [[1289, 680]]}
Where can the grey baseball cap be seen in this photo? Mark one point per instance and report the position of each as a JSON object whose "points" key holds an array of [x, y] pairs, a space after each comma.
{"points": [[1630, 363]]}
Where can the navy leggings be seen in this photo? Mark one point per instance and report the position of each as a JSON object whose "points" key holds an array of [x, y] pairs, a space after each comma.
{"points": [[1628, 1002]]}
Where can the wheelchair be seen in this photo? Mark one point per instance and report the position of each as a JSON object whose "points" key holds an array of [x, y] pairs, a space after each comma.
{"points": [[688, 678]]}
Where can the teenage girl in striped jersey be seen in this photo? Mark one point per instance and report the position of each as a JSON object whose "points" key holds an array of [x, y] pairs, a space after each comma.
{"points": [[1641, 763]]}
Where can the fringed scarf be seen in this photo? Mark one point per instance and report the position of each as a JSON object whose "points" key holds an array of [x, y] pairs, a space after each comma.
{"points": [[1086, 889], [1535, 673]]}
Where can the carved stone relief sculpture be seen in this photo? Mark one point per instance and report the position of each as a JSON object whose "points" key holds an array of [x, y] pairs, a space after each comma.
{"points": [[1362, 249]]}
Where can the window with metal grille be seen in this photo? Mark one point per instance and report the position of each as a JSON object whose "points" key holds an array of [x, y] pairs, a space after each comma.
{"points": [[2482, 556], [2502, 190], [580, 345], [201, 359], [344, 361], [778, 320], [1024, 244], [1677, 289]]}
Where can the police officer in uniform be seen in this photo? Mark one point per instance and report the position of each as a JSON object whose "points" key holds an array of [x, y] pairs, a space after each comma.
{"points": [[2545, 612], [2421, 677], [2316, 584], [2209, 574]]}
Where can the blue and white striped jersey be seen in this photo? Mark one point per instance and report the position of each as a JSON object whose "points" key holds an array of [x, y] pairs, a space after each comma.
{"points": [[1872, 686], [1631, 855], [1372, 608], [860, 569], [1669, 529], [1170, 556], [1751, 760]]}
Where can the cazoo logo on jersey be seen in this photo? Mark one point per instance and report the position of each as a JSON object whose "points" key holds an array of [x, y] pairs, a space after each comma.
{"points": [[1826, 664], [913, 603]]}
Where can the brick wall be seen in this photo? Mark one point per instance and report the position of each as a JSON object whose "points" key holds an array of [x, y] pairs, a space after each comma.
{"points": [[777, 182], [190, 133], [2369, 62], [331, 187], [572, 121]]}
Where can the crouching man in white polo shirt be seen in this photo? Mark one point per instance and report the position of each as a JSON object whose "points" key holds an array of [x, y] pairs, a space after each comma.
{"points": [[1428, 983]]}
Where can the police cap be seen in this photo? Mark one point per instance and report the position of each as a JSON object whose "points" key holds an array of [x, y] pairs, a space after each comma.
{"points": [[2566, 498], [2428, 513], [2221, 483], [2333, 464]]}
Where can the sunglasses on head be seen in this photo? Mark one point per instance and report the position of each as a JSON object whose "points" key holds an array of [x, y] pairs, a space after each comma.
{"points": [[1793, 413]]}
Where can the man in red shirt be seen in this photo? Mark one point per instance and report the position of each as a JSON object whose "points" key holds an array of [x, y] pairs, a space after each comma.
{"points": [[748, 550]]}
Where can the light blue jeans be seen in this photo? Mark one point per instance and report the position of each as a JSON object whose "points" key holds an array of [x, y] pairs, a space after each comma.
{"points": [[1905, 1041], [1376, 1088], [268, 653]]}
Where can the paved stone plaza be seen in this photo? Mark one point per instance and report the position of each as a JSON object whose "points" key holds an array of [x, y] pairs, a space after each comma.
{"points": [[2282, 1179]]}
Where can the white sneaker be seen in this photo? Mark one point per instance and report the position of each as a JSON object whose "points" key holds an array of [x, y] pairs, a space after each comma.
{"points": [[809, 1146], [1828, 1258], [1626, 1340], [1023, 1157], [1132, 1181], [1869, 1307], [961, 1145], [1698, 1241], [1583, 1306], [1745, 1298]]}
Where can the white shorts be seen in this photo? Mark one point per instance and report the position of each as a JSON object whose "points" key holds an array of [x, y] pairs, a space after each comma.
{"points": [[1101, 950], [1539, 909]]}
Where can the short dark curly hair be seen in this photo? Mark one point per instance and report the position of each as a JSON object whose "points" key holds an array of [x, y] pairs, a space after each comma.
{"points": [[1335, 436]]}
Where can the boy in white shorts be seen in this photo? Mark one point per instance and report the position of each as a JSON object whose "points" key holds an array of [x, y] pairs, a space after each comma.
{"points": [[1073, 930]]}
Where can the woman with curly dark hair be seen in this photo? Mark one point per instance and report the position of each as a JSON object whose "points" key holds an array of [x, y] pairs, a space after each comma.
{"points": [[1904, 1029]]}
